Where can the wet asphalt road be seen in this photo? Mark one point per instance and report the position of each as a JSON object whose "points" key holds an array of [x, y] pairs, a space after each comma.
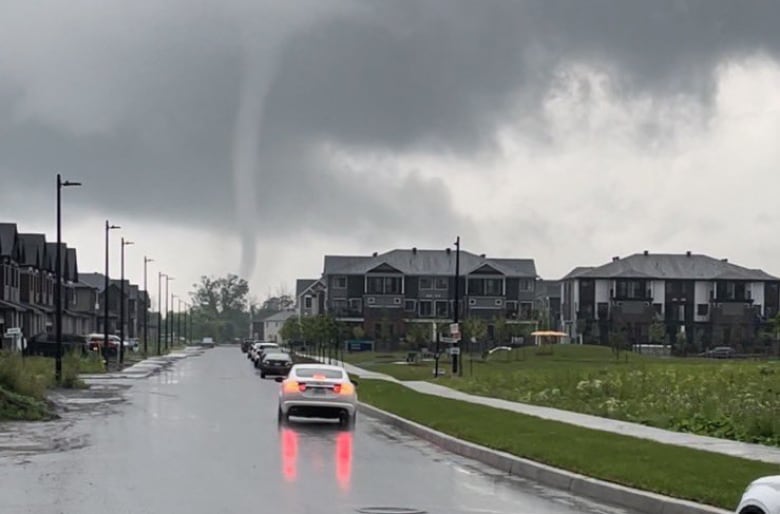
{"points": [[202, 438]]}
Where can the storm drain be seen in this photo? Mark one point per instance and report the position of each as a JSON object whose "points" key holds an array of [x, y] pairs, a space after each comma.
{"points": [[390, 510]]}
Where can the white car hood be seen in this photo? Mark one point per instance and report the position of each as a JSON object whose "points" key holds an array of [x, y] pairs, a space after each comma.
{"points": [[770, 481]]}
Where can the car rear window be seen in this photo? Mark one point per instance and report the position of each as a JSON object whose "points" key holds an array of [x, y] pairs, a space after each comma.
{"points": [[312, 372]]}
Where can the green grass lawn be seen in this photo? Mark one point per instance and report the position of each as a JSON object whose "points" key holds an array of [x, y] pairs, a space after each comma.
{"points": [[683, 473], [737, 400]]}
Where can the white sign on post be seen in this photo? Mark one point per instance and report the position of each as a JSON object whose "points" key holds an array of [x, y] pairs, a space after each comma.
{"points": [[455, 350], [454, 328]]}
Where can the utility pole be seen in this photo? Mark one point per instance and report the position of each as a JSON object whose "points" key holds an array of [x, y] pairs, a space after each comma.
{"points": [[147, 260], [106, 285], [122, 302], [160, 275], [456, 368]]}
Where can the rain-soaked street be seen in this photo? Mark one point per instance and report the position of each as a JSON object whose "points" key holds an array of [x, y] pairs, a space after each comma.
{"points": [[201, 437]]}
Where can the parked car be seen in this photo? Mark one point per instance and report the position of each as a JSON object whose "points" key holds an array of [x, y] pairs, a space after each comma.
{"points": [[131, 344], [246, 344], [720, 352], [317, 391], [762, 496], [96, 342], [44, 344], [275, 363], [259, 349]]}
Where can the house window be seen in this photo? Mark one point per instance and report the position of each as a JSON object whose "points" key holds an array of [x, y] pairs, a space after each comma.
{"points": [[384, 285], [307, 302], [702, 309], [526, 285], [426, 309], [511, 309], [426, 283], [442, 309], [441, 283], [410, 306], [356, 305], [602, 309], [658, 308], [526, 310], [494, 287], [340, 283], [339, 305]]}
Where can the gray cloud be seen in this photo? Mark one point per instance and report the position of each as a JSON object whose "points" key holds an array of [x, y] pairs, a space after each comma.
{"points": [[143, 100]]}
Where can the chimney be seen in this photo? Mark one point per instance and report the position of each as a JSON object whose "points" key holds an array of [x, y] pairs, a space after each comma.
{"points": [[375, 254], [688, 253], [414, 250], [646, 253], [725, 260], [449, 251], [482, 255], [615, 259]]}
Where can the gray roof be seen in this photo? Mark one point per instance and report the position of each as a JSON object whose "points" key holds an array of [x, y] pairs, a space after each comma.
{"points": [[8, 240], [674, 267], [302, 284], [94, 280], [33, 250], [578, 271], [280, 316], [427, 262]]}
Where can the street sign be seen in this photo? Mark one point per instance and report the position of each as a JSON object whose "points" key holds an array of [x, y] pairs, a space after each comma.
{"points": [[454, 350], [454, 328], [448, 340]]}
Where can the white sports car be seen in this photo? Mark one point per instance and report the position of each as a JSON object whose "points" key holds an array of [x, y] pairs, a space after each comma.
{"points": [[318, 391], [762, 496]]}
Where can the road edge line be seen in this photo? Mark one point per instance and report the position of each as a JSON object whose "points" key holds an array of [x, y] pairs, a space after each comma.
{"points": [[618, 495]]}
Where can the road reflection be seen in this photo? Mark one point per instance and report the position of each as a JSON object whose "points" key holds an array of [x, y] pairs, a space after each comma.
{"points": [[305, 448]]}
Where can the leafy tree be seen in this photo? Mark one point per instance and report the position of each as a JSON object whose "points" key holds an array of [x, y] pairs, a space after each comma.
{"points": [[473, 328], [291, 330], [501, 329], [657, 332], [220, 307], [358, 332], [419, 333]]}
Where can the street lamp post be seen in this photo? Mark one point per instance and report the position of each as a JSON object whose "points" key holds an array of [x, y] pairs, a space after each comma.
{"points": [[173, 317], [122, 312], [109, 227], [178, 322], [58, 284], [160, 275], [456, 368], [147, 260], [168, 278]]}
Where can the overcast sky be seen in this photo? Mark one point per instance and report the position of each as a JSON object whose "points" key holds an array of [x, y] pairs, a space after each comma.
{"points": [[250, 137]]}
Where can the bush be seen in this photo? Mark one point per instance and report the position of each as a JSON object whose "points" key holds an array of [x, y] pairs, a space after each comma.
{"points": [[23, 376]]}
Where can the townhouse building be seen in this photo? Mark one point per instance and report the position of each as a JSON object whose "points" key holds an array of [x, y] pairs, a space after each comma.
{"points": [[695, 298], [386, 293]]}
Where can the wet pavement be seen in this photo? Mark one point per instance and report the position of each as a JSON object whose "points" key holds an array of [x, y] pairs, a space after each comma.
{"points": [[201, 437]]}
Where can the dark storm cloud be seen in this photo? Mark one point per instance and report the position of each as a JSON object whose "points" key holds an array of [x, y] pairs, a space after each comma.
{"points": [[143, 103]]}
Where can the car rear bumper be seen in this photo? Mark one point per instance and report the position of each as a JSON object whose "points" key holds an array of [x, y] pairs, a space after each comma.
{"points": [[314, 408], [275, 370]]}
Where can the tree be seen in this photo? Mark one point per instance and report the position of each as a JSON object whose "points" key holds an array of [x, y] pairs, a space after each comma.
{"points": [[358, 332], [473, 328], [220, 307], [419, 333], [657, 332], [501, 329], [291, 330]]}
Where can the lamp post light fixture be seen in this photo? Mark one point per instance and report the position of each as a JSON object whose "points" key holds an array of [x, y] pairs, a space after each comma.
{"points": [[106, 285], [58, 284]]}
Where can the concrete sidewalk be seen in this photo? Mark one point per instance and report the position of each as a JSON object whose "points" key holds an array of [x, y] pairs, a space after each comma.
{"points": [[144, 368], [711, 444]]}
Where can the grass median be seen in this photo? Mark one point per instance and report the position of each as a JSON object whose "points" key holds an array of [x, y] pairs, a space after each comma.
{"points": [[735, 400], [695, 475]]}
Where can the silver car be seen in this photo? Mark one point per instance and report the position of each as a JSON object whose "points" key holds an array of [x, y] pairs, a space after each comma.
{"points": [[762, 496], [318, 391]]}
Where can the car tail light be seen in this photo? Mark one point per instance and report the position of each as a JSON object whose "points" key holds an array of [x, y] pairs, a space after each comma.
{"points": [[291, 386], [302, 387], [345, 388]]}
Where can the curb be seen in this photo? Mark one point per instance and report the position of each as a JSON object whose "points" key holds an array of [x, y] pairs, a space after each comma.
{"points": [[580, 485]]}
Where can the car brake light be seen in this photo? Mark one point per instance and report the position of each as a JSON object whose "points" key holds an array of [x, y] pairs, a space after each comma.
{"points": [[291, 386], [345, 388], [302, 387]]}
